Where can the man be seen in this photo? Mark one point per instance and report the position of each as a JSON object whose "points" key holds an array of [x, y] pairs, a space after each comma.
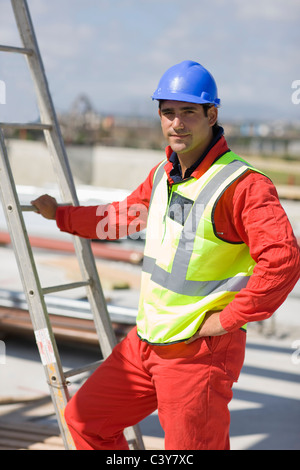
{"points": [[219, 253]]}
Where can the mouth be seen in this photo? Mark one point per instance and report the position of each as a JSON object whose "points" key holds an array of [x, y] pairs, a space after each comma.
{"points": [[179, 136]]}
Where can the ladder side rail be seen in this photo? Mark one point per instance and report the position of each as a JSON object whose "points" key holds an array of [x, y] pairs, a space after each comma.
{"points": [[56, 145], [134, 438], [37, 308]]}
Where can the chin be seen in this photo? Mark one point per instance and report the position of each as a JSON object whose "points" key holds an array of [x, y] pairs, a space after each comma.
{"points": [[178, 148]]}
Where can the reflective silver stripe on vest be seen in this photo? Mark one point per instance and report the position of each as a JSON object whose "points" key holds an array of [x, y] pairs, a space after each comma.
{"points": [[157, 177], [192, 288], [176, 280]]}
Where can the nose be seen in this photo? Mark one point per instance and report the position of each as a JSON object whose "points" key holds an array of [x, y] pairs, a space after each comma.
{"points": [[177, 123]]}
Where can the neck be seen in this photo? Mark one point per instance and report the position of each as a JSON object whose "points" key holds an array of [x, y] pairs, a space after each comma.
{"points": [[187, 159], [186, 163]]}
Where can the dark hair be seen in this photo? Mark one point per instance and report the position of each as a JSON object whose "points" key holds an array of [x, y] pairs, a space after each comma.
{"points": [[206, 107]]}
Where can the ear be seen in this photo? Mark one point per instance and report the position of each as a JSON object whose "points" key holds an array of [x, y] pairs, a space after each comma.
{"points": [[159, 112], [212, 114]]}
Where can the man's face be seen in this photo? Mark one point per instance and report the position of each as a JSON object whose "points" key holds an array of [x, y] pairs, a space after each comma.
{"points": [[186, 127]]}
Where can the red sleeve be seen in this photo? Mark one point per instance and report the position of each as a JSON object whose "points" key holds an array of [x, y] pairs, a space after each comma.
{"points": [[259, 220], [110, 221]]}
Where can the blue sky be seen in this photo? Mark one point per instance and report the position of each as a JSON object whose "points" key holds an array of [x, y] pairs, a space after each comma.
{"points": [[115, 51]]}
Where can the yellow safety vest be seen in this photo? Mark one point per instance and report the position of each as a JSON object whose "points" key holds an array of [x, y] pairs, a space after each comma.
{"points": [[188, 270]]}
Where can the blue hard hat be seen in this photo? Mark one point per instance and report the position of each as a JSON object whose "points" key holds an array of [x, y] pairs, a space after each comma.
{"points": [[188, 81]]}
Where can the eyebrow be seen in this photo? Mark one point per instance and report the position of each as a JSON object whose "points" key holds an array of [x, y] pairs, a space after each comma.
{"points": [[183, 108]]}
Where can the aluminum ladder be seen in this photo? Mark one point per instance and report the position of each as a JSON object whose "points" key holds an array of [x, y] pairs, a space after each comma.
{"points": [[56, 377]]}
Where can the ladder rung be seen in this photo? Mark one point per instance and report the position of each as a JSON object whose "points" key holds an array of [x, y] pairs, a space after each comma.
{"points": [[28, 208], [72, 285], [31, 126], [19, 50], [31, 208], [80, 370]]}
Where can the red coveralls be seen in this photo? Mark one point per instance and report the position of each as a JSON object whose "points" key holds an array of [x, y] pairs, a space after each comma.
{"points": [[190, 385]]}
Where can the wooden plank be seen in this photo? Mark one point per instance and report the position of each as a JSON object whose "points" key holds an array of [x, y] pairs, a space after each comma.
{"points": [[28, 436], [18, 321], [15, 443], [18, 436], [25, 426]]}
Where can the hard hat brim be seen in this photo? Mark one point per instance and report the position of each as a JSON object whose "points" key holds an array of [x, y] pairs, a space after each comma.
{"points": [[184, 97]]}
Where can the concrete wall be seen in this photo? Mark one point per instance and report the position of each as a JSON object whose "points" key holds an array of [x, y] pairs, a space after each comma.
{"points": [[121, 167], [31, 163], [97, 166]]}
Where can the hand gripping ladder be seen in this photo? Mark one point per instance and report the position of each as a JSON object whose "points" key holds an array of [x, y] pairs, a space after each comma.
{"points": [[56, 377]]}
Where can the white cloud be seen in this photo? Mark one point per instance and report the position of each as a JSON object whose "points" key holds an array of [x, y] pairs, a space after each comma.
{"points": [[268, 10]]}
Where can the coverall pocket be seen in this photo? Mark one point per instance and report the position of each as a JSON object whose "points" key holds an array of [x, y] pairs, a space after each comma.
{"points": [[227, 352], [235, 354], [212, 342]]}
